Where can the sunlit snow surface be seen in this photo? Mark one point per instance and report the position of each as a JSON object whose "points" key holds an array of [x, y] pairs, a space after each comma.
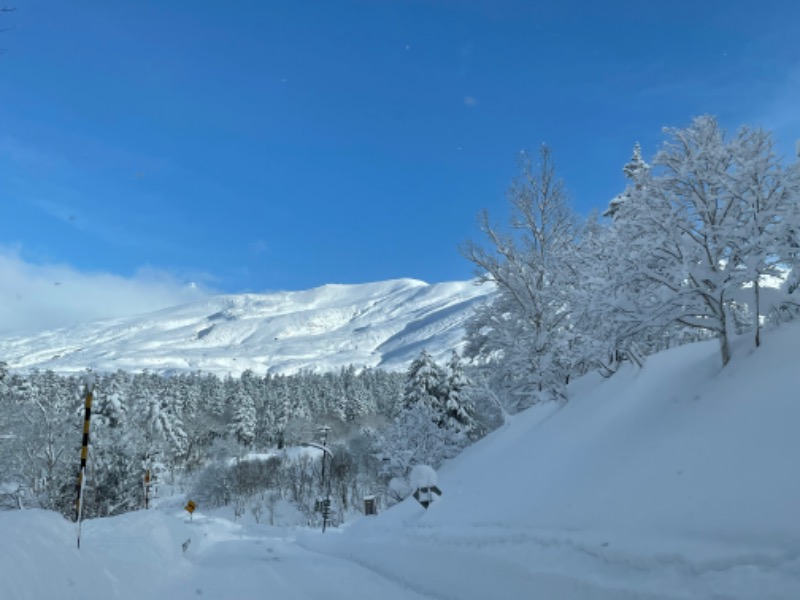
{"points": [[678, 481], [382, 324]]}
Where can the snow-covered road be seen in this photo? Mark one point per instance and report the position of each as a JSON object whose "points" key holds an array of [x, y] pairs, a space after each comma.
{"points": [[140, 555], [229, 561], [246, 565]]}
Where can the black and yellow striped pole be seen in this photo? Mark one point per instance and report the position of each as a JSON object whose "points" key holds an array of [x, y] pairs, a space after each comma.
{"points": [[89, 390]]}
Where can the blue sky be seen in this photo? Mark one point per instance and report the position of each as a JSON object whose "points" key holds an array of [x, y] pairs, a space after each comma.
{"points": [[265, 145]]}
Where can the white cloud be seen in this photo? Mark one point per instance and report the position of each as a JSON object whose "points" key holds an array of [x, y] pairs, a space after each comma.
{"points": [[36, 297]]}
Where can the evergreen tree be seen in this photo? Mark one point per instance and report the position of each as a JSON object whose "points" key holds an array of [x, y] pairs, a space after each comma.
{"points": [[243, 423], [115, 479], [415, 438], [634, 170], [425, 384], [458, 409]]}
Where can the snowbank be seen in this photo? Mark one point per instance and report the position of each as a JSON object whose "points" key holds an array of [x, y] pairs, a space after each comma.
{"points": [[120, 557]]}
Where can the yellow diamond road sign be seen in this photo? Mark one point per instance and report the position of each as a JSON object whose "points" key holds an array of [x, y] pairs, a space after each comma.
{"points": [[190, 506]]}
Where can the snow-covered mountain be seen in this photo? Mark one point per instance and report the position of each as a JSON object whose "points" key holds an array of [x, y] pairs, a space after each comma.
{"points": [[383, 324]]}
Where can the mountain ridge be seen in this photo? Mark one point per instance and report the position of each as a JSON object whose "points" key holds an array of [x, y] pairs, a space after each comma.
{"points": [[378, 324]]}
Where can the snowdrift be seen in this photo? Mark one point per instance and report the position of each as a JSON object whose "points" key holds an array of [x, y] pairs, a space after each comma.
{"points": [[120, 557]]}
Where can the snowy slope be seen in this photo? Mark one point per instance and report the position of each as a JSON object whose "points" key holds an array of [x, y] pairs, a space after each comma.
{"points": [[677, 481], [382, 324]]}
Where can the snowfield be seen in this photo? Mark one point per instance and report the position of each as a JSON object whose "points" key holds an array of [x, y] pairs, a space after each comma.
{"points": [[384, 324], [676, 481]]}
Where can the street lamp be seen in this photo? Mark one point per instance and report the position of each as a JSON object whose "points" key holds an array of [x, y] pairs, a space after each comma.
{"points": [[326, 452]]}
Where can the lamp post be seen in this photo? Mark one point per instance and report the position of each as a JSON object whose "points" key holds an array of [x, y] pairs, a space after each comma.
{"points": [[326, 452]]}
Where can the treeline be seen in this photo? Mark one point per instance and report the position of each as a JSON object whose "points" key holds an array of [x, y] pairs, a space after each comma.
{"points": [[168, 425], [194, 430]]}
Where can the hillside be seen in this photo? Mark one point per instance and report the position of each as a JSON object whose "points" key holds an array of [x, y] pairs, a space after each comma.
{"points": [[383, 324], [676, 481]]}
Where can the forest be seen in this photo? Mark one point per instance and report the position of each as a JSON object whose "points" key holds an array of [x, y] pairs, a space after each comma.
{"points": [[195, 432]]}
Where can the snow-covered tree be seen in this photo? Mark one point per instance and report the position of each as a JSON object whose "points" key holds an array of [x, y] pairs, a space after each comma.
{"points": [[524, 332], [47, 437], [358, 401], [458, 408], [158, 421], [424, 383], [791, 244], [115, 479], [600, 337], [243, 423], [435, 421], [761, 245], [415, 438], [634, 170], [699, 226], [281, 408]]}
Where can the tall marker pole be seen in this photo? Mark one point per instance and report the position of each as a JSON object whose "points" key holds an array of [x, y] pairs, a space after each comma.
{"points": [[89, 390]]}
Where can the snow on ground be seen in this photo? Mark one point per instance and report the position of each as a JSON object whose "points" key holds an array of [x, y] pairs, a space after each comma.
{"points": [[141, 555], [677, 481], [123, 557]]}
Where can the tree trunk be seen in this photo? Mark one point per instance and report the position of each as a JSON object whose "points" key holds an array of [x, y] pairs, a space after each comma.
{"points": [[757, 291], [724, 336]]}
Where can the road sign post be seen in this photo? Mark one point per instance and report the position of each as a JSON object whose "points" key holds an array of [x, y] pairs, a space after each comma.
{"points": [[190, 508]]}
